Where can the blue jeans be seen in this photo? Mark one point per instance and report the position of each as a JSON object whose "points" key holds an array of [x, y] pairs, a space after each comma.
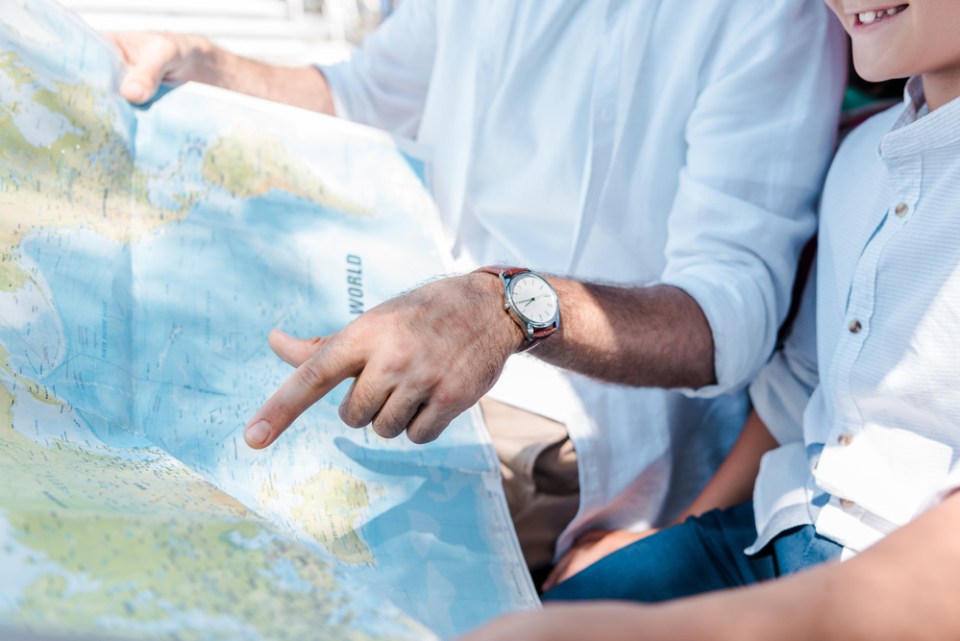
{"points": [[700, 555]]}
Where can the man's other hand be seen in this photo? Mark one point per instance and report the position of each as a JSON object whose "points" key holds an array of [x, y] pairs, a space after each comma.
{"points": [[418, 360], [155, 58]]}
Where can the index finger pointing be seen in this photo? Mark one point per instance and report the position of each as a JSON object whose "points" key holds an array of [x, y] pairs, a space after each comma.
{"points": [[311, 381]]}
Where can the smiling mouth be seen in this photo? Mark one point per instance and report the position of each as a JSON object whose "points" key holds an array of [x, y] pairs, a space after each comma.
{"points": [[873, 17]]}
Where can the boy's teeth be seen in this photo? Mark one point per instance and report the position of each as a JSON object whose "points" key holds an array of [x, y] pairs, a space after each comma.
{"points": [[869, 17]]}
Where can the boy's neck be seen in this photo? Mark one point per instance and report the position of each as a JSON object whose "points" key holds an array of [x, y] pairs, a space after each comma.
{"points": [[941, 87]]}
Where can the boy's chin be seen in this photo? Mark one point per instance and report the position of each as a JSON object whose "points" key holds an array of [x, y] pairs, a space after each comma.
{"points": [[871, 71]]}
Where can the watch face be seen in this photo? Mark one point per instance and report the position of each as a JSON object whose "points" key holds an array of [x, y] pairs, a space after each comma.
{"points": [[534, 299]]}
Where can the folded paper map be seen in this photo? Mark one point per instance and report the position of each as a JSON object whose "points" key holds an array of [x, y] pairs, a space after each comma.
{"points": [[145, 254]]}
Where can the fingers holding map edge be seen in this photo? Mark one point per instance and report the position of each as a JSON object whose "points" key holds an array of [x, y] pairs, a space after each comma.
{"points": [[155, 58], [148, 58]]}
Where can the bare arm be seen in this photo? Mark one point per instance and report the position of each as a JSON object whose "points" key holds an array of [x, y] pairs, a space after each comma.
{"points": [[733, 483], [904, 587], [421, 359], [155, 58], [643, 336]]}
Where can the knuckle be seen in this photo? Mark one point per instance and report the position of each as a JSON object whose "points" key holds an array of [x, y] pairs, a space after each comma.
{"points": [[350, 339], [349, 416], [443, 397], [311, 376], [388, 427], [419, 436], [399, 356], [449, 399], [425, 429], [395, 366], [358, 407], [423, 434]]}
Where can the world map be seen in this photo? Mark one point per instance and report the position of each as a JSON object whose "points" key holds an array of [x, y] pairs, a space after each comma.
{"points": [[145, 254]]}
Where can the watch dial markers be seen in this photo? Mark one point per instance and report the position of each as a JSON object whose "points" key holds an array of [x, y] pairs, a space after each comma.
{"points": [[534, 299]]}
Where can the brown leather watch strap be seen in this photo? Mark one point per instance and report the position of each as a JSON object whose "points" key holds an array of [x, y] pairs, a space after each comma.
{"points": [[501, 270]]}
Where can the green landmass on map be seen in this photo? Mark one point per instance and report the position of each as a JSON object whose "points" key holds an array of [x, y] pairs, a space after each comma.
{"points": [[35, 389], [89, 178], [154, 550], [327, 506], [86, 178], [128, 541], [250, 164]]}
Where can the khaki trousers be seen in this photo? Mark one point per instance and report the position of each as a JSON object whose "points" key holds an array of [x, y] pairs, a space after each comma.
{"points": [[539, 467]]}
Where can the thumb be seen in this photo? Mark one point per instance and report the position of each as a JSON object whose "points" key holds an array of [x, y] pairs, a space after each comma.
{"points": [[294, 350], [150, 57]]}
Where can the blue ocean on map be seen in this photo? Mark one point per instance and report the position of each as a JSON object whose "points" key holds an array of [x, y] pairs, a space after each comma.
{"points": [[191, 364], [157, 337]]}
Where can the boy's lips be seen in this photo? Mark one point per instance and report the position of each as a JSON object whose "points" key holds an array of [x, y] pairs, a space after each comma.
{"points": [[870, 17]]}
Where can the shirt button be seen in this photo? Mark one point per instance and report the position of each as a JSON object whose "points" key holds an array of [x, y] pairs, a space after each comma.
{"points": [[901, 209], [845, 439], [846, 504], [854, 327]]}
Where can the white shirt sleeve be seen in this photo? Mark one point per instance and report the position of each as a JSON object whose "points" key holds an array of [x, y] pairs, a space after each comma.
{"points": [[384, 83], [760, 140], [782, 389]]}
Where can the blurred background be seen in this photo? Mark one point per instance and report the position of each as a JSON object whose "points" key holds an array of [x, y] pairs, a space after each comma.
{"points": [[290, 32], [299, 32]]}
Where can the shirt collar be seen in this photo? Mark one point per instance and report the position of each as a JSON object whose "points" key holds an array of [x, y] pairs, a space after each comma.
{"points": [[916, 129]]}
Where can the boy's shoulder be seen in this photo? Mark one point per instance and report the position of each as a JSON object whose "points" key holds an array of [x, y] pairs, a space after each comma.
{"points": [[870, 132], [857, 161]]}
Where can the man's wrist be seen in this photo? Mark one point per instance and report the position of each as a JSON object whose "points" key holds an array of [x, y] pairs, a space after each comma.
{"points": [[491, 290], [203, 61], [530, 301]]}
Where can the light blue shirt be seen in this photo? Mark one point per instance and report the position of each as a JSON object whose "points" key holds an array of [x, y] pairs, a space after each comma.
{"points": [[865, 396], [625, 141]]}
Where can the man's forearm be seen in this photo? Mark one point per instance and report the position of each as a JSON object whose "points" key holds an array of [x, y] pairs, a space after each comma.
{"points": [[645, 336], [303, 87]]}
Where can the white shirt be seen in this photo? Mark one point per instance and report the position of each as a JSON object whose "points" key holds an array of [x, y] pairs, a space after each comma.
{"points": [[626, 141], [865, 396]]}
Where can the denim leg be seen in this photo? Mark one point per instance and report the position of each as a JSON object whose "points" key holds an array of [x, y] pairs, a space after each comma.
{"points": [[700, 555]]}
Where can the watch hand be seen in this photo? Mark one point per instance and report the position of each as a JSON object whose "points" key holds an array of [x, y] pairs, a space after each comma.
{"points": [[530, 300]]}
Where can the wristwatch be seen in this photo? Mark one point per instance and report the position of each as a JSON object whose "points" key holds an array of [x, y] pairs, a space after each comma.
{"points": [[530, 301]]}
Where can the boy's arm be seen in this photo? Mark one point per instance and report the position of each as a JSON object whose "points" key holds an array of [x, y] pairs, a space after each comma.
{"points": [[731, 485], [733, 482], [904, 587]]}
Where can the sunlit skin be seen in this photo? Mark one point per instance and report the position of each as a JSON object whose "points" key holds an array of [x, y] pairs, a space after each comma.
{"points": [[921, 38]]}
